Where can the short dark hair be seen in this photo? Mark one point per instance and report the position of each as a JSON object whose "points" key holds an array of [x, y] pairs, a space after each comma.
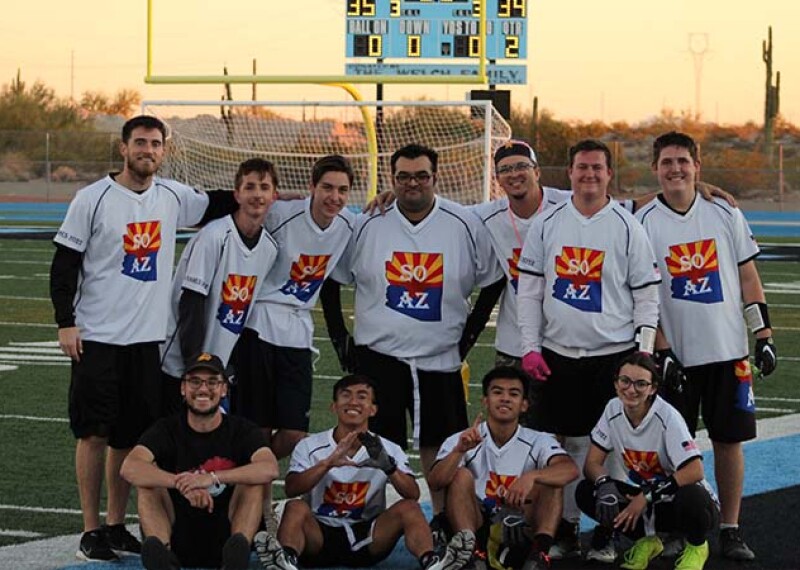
{"points": [[674, 138], [412, 151], [331, 163], [258, 165], [507, 373], [144, 121], [589, 145], [352, 380], [642, 360]]}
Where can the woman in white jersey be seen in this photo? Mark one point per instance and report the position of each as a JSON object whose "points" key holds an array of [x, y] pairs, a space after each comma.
{"points": [[653, 479]]}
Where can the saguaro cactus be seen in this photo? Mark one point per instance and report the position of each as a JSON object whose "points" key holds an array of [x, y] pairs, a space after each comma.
{"points": [[772, 94]]}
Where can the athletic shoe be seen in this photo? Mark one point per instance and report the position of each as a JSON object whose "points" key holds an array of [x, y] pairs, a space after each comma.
{"points": [[459, 550], [433, 563], [673, 546], [120, 540], [156, 556], [439, 526], [642, 552], [606, 554], [693, 557], [733, 546], [537, 561], [94, 546], [567, 544], [236, 553], [271, 554]]}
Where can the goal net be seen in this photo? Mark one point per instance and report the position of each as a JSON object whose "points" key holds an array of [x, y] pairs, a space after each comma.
{"points": [[210, 138]]}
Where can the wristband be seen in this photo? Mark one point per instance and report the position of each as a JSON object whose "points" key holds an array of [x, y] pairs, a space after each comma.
{"points": [[645, 339], [215, 480], [757, 317]]}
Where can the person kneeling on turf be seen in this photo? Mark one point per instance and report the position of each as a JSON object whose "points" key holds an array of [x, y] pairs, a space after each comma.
{"points": [[503, 481], [343, 472], [200, 476], [663, 490]]}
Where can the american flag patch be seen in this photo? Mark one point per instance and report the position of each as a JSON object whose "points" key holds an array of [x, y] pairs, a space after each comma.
{"points": [[689, 445]]}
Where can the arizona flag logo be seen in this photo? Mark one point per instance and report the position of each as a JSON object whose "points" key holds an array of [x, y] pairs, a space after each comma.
{"points": [[579, 272], [642, 465], [141, 244], [513, 270], [694, 270], [496, 488], [306, 276], [344, 500], [745, 400], [237, 294], [415, 285]]}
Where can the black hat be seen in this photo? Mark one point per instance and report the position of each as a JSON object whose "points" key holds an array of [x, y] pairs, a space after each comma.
{"points": [[206, 361], [515, 147]]}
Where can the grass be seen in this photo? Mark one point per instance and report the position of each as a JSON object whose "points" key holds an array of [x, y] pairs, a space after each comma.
{"points": [[37, 489]]}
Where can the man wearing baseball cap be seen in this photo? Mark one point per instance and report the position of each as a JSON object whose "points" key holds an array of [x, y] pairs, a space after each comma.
{"points": [[200, 476]]}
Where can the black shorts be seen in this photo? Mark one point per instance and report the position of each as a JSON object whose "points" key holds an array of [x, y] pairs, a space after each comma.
{"points": [[115, 392], [197, 535], [723, 392], [575, 394], [339, 549], [271, 384], [171, 399], [442, 410]]}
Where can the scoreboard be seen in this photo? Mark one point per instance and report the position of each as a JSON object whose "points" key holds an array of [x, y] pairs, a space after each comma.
{"points": [[439, 29]]}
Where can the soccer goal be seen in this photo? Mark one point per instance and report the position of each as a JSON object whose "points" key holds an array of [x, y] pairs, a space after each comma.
{"points": [[208, 140]]}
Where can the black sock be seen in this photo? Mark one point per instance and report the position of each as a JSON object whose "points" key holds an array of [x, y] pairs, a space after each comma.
{"points": [[425, 557], [541, 543], [291, 552]]}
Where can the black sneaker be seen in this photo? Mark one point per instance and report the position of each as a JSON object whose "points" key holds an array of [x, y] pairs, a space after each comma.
{"points": [[120, 540], [156, 556], [236, 553], [94, 546], [733, 546]]}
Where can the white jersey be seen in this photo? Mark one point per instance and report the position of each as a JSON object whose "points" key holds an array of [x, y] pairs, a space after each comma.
{"points": [[699, 254], [307, 255], [348, 494], [653, 450], [590, 266], [219, 266], [507, 232], [496, 468], [128, 244], [413, 281]]}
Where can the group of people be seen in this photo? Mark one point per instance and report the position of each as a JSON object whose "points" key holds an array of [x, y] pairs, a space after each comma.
{"points": [[604, 305]]}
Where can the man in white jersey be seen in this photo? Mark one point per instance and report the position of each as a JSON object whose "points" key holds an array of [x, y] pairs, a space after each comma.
{"points": [[588, 296], [217, 278], [500, 472], [273, 359], [706, 253], [109, 283], [414, 269], [342, 473]]}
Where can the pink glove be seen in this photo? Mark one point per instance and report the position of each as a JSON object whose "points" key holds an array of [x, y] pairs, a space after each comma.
{"points": [[533, 363]]}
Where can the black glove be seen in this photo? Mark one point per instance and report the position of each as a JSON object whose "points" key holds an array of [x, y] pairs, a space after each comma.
{"points": [[378, 458], [671, 370], [345, 349], [660, 490], [607, 501], [766, 356]]}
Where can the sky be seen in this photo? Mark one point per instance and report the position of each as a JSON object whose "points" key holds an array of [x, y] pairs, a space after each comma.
{"points": [[610, 61]]}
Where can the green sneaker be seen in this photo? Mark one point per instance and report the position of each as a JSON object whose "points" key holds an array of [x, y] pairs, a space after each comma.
{"points": [[693, 557], [642, 552]]}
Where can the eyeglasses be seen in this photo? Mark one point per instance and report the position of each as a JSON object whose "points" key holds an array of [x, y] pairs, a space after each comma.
{"points": [[406, 177], [638, 385], [213, 383], [518, 167]]}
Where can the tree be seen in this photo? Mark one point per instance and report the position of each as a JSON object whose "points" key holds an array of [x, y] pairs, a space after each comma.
{"points": [[37, 108], [124, 103]]}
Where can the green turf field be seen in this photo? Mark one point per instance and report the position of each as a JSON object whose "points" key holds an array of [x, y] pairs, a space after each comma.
{"points": [[38, 496]]}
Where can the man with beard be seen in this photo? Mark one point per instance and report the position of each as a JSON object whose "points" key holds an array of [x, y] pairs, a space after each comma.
{"points": [[109, 284], [200, 476]]}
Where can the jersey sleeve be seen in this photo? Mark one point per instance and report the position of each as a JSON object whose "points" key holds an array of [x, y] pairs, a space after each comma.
{"points": [[447, 447], [249, 440], [203, 259], [301, 458], [531, 259], [744, 242], [642, 266], [545, 449], [601, 433], [343, 271], [399, 456], [193, 205], [76, 228], [681, 447], [485, 261], [161, 444]]}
